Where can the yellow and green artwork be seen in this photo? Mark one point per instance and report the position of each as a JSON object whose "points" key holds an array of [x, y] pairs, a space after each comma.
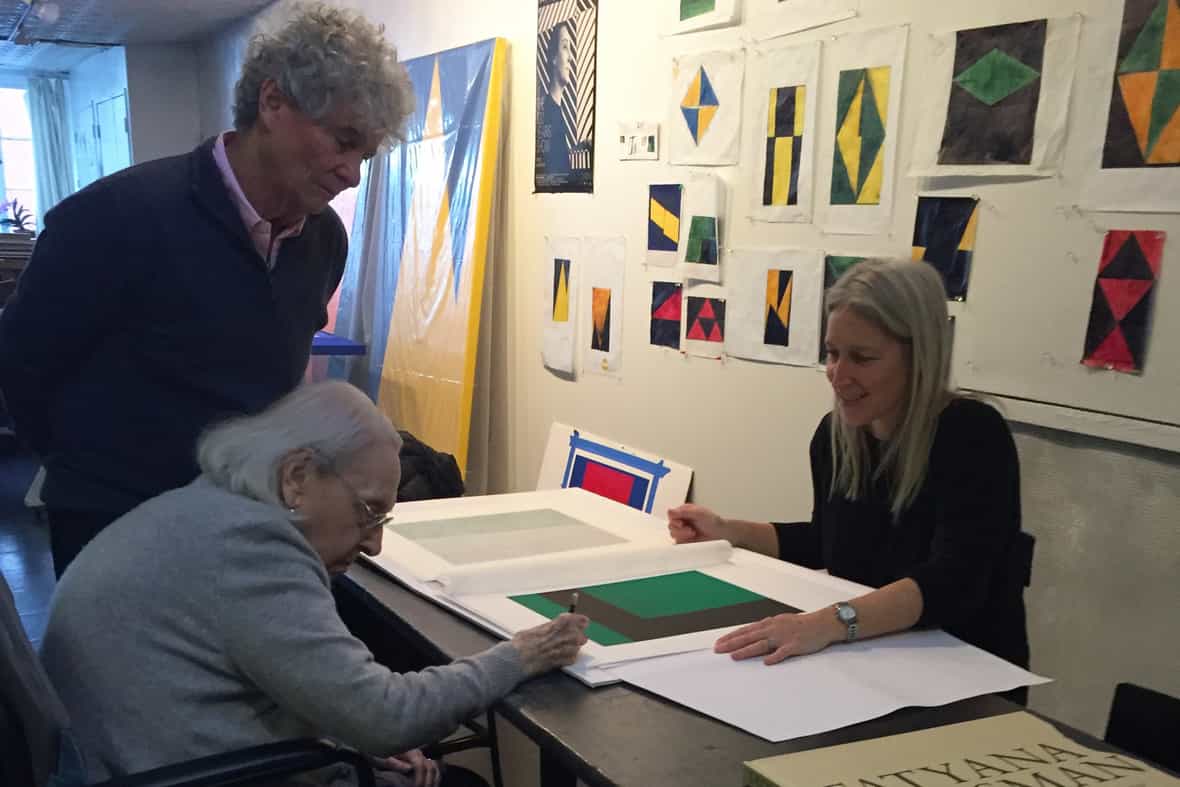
{"points": [[862, 106]]}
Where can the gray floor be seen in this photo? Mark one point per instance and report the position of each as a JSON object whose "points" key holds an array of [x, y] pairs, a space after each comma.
{"points": [[24, 541]]}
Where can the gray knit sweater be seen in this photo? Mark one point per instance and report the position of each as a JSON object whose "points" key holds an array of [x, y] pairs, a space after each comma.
{"points": [[202, 622]]}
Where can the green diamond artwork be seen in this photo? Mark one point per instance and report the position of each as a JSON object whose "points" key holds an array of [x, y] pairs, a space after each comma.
{"points": [[991, 116], [995, 76]]}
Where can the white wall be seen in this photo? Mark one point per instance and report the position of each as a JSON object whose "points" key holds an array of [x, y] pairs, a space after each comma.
{"points": [[162, 88], [745, 427]]}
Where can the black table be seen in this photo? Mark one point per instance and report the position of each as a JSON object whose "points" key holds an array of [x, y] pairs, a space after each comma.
{"points": [[613, 735]]}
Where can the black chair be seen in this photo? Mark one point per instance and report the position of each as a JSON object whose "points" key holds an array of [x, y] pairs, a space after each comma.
{"points": [[35, 736], [1145, 723]]}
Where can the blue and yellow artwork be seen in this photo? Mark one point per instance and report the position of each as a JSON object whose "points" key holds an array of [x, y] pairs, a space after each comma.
{"points": [[415, 287], [699, 105], [663, 217]]}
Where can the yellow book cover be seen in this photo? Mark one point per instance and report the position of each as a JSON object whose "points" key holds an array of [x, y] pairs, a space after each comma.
{"points": [[1012, 750]]}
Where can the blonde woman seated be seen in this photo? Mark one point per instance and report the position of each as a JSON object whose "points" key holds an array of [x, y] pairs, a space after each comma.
{"points": [[210, 606], [916, 489]]}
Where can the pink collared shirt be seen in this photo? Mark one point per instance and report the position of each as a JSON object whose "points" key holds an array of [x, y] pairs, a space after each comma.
{"points": [[258, 227]]}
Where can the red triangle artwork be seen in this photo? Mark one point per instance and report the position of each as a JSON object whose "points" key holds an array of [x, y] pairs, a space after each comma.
{"points": [[1124, 292]]}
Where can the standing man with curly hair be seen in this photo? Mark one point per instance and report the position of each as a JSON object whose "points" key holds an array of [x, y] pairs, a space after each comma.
{"points": [[179, 291]]}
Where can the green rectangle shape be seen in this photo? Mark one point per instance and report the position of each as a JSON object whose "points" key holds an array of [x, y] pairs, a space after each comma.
{"points": [[550, 609], [701, 229], [671, 594], [691, 8]]}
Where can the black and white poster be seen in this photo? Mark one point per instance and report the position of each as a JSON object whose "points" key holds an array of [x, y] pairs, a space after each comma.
{"points": [[567, 31]]}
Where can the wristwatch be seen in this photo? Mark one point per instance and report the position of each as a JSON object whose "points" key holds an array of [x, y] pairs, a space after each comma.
{"points": [[846, 614]]}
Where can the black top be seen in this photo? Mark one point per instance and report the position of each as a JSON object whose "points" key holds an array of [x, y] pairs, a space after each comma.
{"points": [[146, 314], [958, 540]]}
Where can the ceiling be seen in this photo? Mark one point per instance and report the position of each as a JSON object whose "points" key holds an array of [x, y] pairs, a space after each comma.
{"points": [[106, 22]]}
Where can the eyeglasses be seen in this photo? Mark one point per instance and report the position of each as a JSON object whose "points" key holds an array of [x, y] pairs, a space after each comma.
{"points": [[370, 520]]}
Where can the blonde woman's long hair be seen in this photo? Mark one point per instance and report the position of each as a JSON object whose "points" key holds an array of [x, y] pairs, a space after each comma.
{"points": [[907, 301]]}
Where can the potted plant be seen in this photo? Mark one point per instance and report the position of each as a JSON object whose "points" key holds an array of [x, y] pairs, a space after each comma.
{"points": [[18, 221]]}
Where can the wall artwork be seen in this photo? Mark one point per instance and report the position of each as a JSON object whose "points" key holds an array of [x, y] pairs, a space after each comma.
{"points": [[692, 15], [1124, 293], [623, 473], [1135, 159], [774, 303], [1003, 105], [561, 266], [602, 294], [666, 312], [700, 251], [783, 136], [867, 71], [704, 118], [704, 322], [944, 236], [567, 61], [429, 271], [664, 204], [835, 266], [639, 141]]}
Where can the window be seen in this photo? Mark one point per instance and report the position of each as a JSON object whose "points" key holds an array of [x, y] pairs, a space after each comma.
{"points": [[18, 178]]}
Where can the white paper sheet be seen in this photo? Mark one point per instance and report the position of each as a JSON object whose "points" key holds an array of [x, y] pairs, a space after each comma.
{"points": [[667, 481], [665, 223], [754, 328], [724, 13], [796, 68], [705, 108], [1056, 86], [1131, 189], [704, 321], [583, 567], [416, 556], [875, 49], [704, 217], [559, 333], [841, 685], [602, 279]]}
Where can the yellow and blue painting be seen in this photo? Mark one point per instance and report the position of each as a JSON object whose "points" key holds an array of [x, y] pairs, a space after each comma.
{"points": [[414, 283]]}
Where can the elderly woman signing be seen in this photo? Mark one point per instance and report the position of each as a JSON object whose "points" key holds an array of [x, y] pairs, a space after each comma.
{"points": [[211, 604]]}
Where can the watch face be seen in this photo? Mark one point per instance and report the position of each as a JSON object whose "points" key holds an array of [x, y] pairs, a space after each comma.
{"points": [[846, 613]]}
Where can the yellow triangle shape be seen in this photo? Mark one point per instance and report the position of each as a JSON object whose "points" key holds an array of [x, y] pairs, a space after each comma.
{"points": [[967, 243], [870, 192], [561, 302], [879, 78], [693, 97], [1137, 90], [434, 107], [848, 138], [1170, 54], [918, 253], [704, 118]]}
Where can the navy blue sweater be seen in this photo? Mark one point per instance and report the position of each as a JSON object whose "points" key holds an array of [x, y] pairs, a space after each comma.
{"points": [[957, 540], [145, 315]]}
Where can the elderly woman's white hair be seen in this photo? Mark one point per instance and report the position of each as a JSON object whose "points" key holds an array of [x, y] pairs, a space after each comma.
{"points": [[333, 419], [327, 57]]}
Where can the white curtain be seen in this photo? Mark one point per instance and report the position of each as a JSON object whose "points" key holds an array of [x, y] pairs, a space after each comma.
{"points": [[52, 156]]}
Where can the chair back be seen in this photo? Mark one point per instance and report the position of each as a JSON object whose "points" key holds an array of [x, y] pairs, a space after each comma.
{"points": [[32, 718], [1145, 723]]}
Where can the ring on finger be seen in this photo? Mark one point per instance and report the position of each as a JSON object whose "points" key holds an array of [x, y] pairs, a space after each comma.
{"points": [[770, 646]]}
